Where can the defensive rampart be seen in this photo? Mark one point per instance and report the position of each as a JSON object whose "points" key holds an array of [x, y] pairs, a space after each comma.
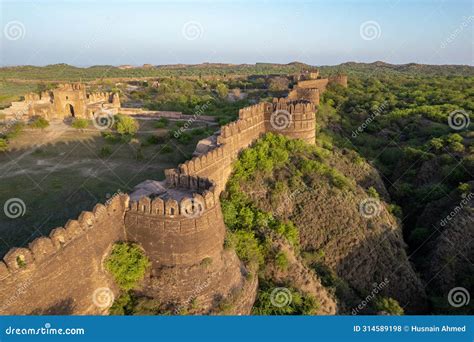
{"points": [[180, 227], [61, 273]]}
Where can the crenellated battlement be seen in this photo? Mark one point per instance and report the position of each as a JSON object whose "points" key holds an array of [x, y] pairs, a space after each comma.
{"points": [[186, 196], [298, 106], [71, 86], [41, 249], [179, 224]]}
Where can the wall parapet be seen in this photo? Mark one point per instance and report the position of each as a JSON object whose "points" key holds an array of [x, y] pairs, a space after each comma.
{"points": [[20, 259]]}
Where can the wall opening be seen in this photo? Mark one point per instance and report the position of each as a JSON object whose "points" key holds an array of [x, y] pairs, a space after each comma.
{"points": [[71, 110]]}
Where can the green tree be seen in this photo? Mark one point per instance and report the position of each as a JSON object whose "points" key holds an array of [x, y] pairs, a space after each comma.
{"points": [[222, 90], [128, 264], [389, 305], [126, 126]]}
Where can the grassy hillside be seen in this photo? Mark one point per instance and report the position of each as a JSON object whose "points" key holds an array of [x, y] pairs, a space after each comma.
{"points": [[65, 72], [294, 216]]}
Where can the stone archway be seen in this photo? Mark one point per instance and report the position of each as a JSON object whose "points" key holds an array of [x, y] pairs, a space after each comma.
{"points": [[70, 110]]}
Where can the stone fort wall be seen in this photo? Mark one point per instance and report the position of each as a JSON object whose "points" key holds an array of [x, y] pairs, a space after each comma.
{"points": [[181, 230], [60, 273], [295, 119]]}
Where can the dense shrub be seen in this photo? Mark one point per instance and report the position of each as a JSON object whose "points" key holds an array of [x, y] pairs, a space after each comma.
{"points": [[128, 264], [289, 301], [281, 261], [14, 131], [162, 123], [80, 123], [126, 125], [389, 306], [39, 123]]}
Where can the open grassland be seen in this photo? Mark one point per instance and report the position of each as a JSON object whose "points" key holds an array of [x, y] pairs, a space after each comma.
{"points": [[13, 91], [60, 171]]}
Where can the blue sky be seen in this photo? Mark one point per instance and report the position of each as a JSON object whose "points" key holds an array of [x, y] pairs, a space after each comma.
{"points": [[116, 32]]}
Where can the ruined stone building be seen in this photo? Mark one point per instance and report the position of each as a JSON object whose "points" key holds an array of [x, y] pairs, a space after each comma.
{"points": [[65, 101], [178, 222]]}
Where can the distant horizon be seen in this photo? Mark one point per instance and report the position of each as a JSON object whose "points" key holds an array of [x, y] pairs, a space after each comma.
{"points": [[226, 63], [120, 32]]}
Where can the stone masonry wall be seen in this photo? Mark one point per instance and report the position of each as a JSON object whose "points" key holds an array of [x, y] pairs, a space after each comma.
{"points": [[59, 274], [170, 232], [291, 118], [181, 230]]}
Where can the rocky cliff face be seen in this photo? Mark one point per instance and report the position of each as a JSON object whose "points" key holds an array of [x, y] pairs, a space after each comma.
{"points": [[449, 251], [349, 238]]}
